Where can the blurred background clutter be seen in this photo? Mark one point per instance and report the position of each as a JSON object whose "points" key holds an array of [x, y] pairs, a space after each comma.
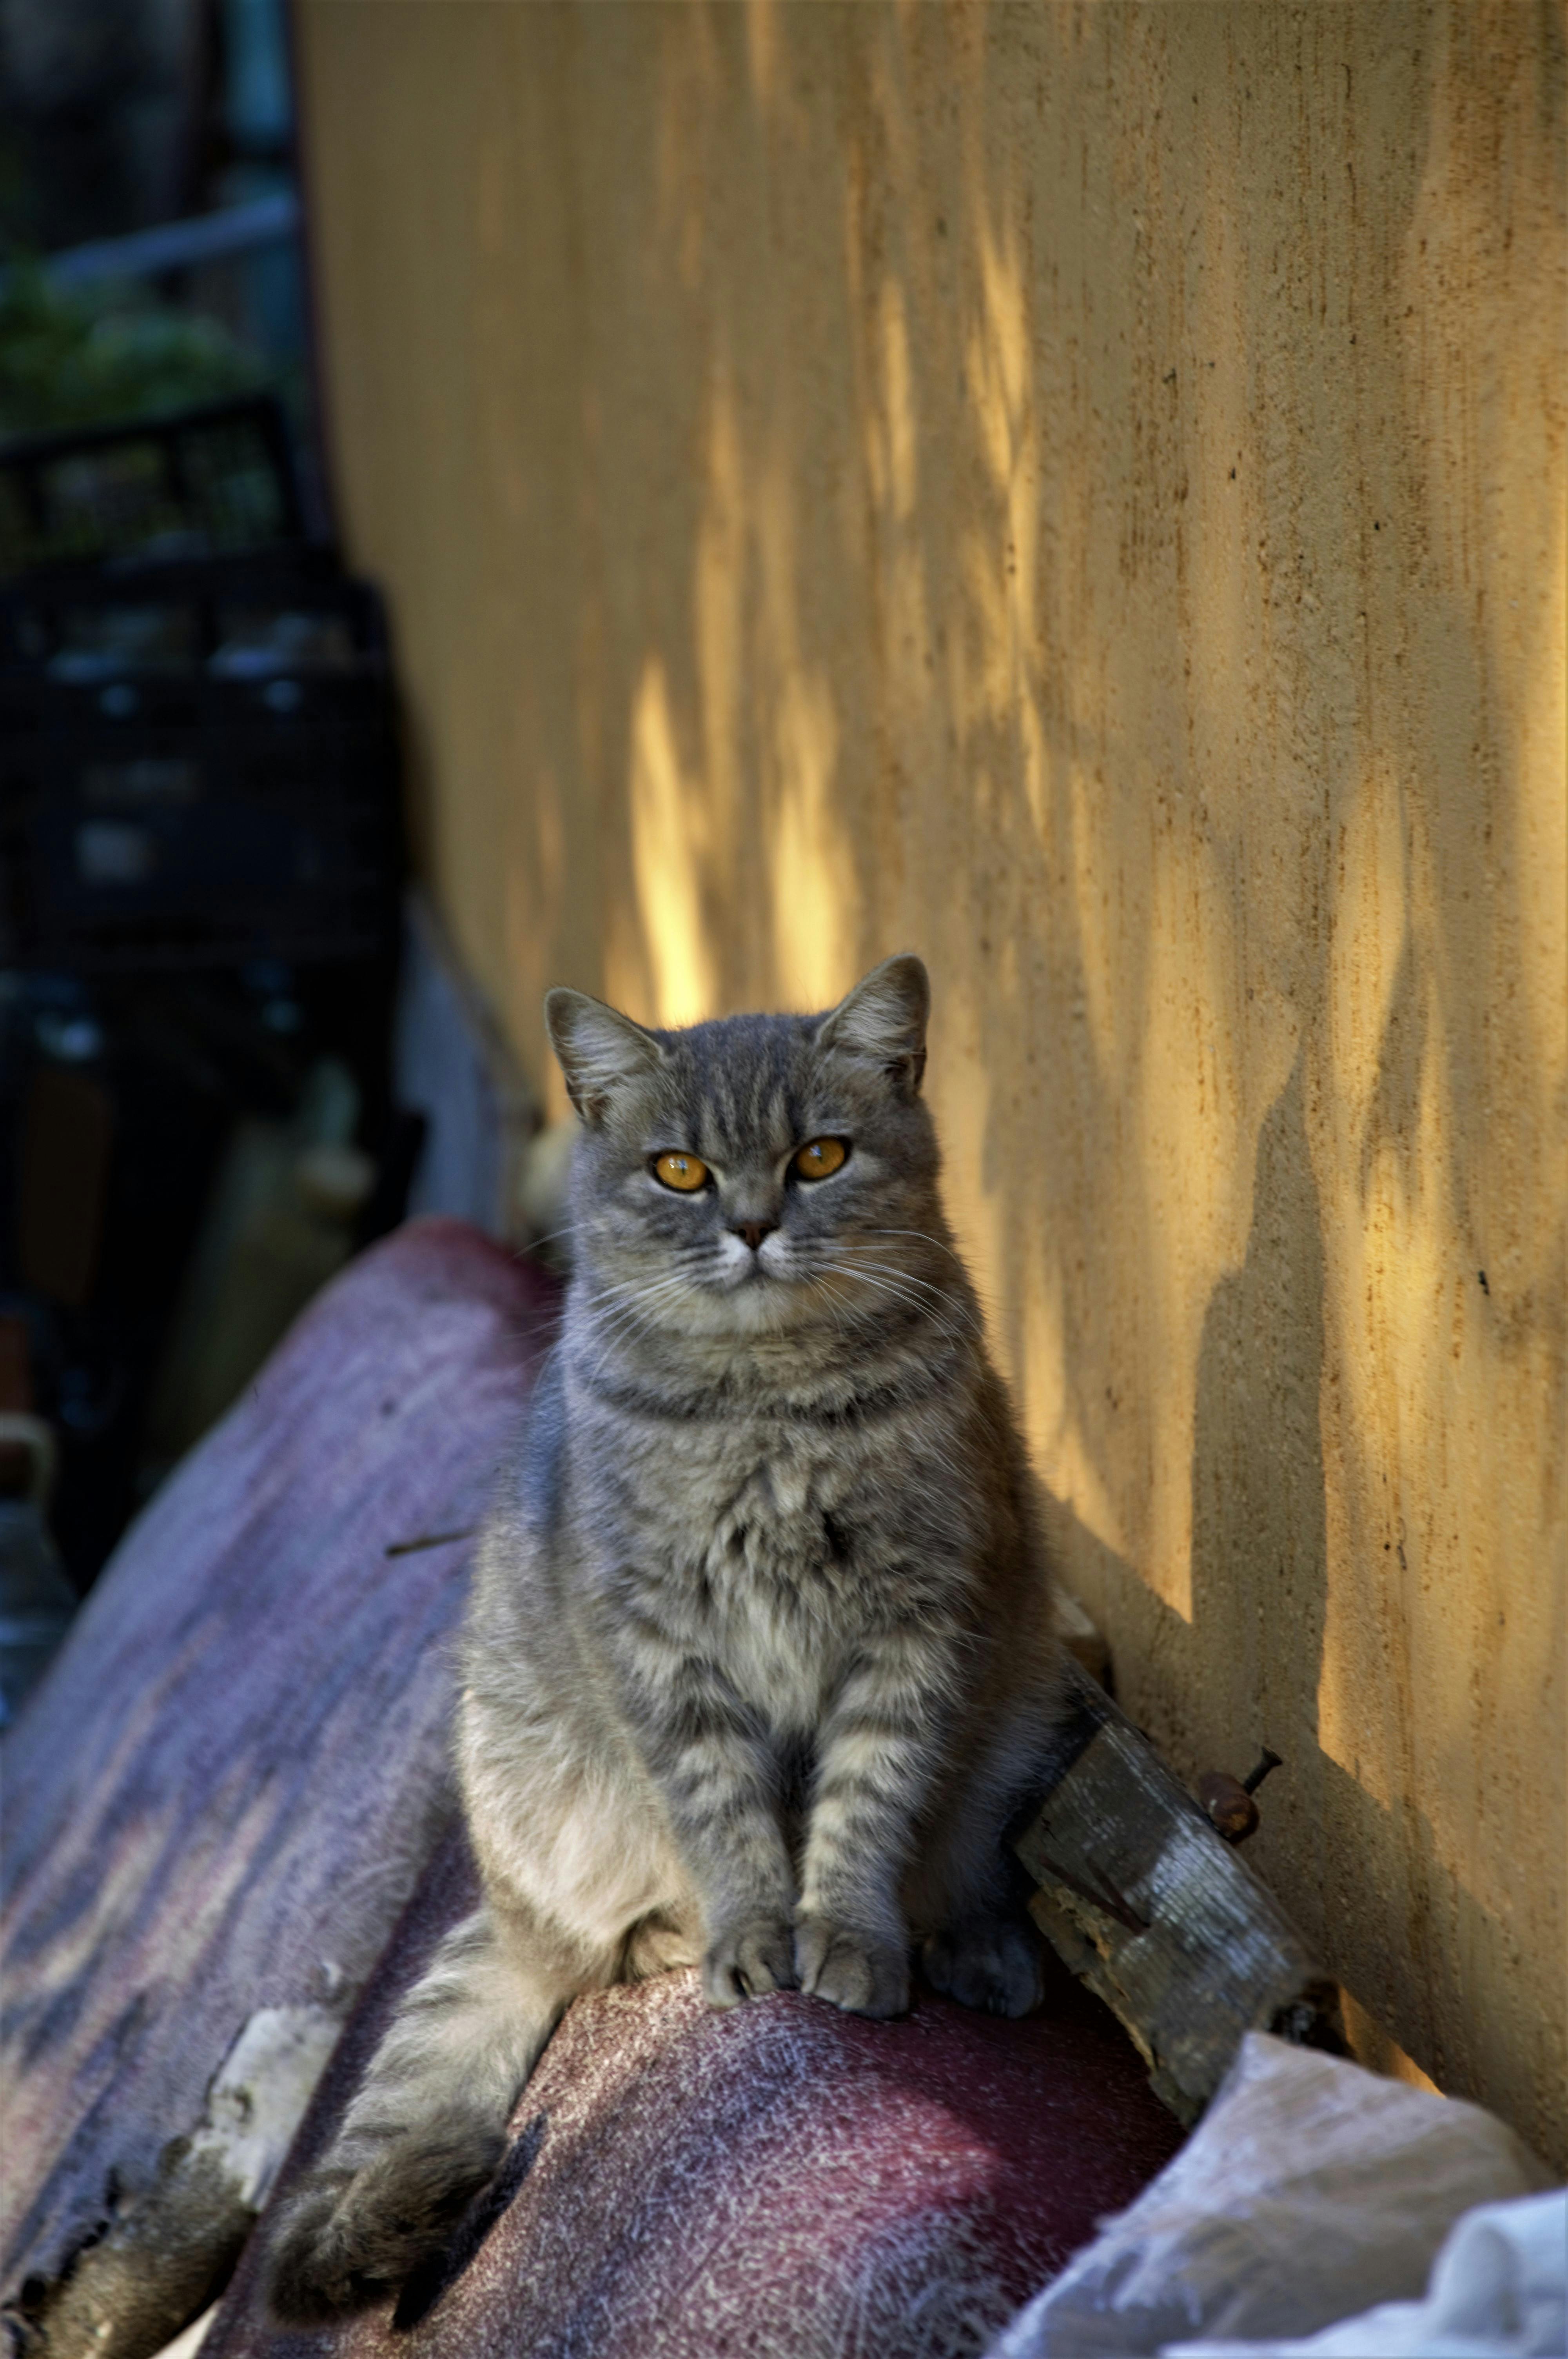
{"points": [[200, 857]]}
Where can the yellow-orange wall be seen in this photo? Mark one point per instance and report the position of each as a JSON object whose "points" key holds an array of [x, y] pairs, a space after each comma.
{"points": [[1078, 490]]}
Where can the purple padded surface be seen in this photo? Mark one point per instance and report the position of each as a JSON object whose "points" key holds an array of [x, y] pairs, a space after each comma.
{"points": [[225, 1789]]}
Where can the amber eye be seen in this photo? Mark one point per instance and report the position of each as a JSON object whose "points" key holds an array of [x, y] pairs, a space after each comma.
{"points": [[821, 1157], [686, 1172]]}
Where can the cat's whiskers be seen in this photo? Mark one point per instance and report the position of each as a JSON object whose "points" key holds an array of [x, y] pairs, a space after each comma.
{"points": [[925, 1238], [910, 1276], [617, 1293], [638, 1310], [550, 1237], [873, 1276], [614, 1318], [942, 1294], [952, 1253]]}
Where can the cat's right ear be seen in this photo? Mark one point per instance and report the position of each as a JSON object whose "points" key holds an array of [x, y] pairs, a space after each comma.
{"points": [[882, 1021], [601, 1051]]}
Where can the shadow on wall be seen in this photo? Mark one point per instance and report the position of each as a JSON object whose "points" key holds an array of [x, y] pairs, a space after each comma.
{"points": [[1246, 1669], [1260, 1536], [1021, 484]]}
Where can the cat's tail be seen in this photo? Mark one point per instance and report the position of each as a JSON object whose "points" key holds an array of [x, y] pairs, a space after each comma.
{"points": [[426, 2130]]}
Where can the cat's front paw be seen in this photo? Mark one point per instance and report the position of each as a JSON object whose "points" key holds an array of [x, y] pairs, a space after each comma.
{"points": [[993, 1964], [747, 1959], [855, 1970]]}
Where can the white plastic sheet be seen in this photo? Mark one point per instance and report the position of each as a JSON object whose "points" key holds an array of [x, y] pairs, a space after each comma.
{"points": [[1310, 2192], [1499, 2292]]}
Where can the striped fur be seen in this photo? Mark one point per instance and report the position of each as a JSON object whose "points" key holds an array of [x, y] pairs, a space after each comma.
{"points": [[759, 1655]]}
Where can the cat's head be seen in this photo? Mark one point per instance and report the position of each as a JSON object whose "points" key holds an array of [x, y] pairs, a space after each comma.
{"points": [[759, 1172]]}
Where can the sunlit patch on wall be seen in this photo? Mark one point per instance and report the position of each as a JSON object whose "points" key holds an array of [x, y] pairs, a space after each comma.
{"points": [[811, 868], [669, 846]]}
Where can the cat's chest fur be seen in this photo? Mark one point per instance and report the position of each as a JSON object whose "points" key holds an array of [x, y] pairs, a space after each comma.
{"points": [[760, 1553], [772, 1582]]}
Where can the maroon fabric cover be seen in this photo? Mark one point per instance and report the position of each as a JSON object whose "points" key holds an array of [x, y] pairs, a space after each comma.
{"points": [[781, 2182], [228, 1785]]}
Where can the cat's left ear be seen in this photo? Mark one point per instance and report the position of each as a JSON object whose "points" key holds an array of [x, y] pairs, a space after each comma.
{"points": [[601, 1051], [882, 1021]]}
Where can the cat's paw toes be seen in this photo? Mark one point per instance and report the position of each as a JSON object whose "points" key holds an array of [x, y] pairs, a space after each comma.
{"points": [[747, 1959], [659, 1945], [994, 1965], [852, 1969]]}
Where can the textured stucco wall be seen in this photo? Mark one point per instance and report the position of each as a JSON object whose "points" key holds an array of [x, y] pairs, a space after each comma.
{"points": [[1078, 490]]}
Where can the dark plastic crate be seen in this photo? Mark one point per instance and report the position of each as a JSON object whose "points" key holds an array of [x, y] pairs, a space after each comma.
{"points": [[198, 766], [215, 481]]}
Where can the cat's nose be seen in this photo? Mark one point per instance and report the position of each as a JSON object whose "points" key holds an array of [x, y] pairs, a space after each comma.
{"points": [[753, 1232]]}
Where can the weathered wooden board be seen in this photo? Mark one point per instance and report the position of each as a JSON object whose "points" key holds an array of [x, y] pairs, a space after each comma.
{"points": [[1159, 1915], [220, 1796]]}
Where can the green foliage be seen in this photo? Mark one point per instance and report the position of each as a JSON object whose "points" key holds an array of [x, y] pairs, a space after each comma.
{"points": [[86, 358]]}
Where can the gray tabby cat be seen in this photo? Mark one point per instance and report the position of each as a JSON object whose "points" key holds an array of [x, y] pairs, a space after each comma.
{"points": [[759, 1659]]}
